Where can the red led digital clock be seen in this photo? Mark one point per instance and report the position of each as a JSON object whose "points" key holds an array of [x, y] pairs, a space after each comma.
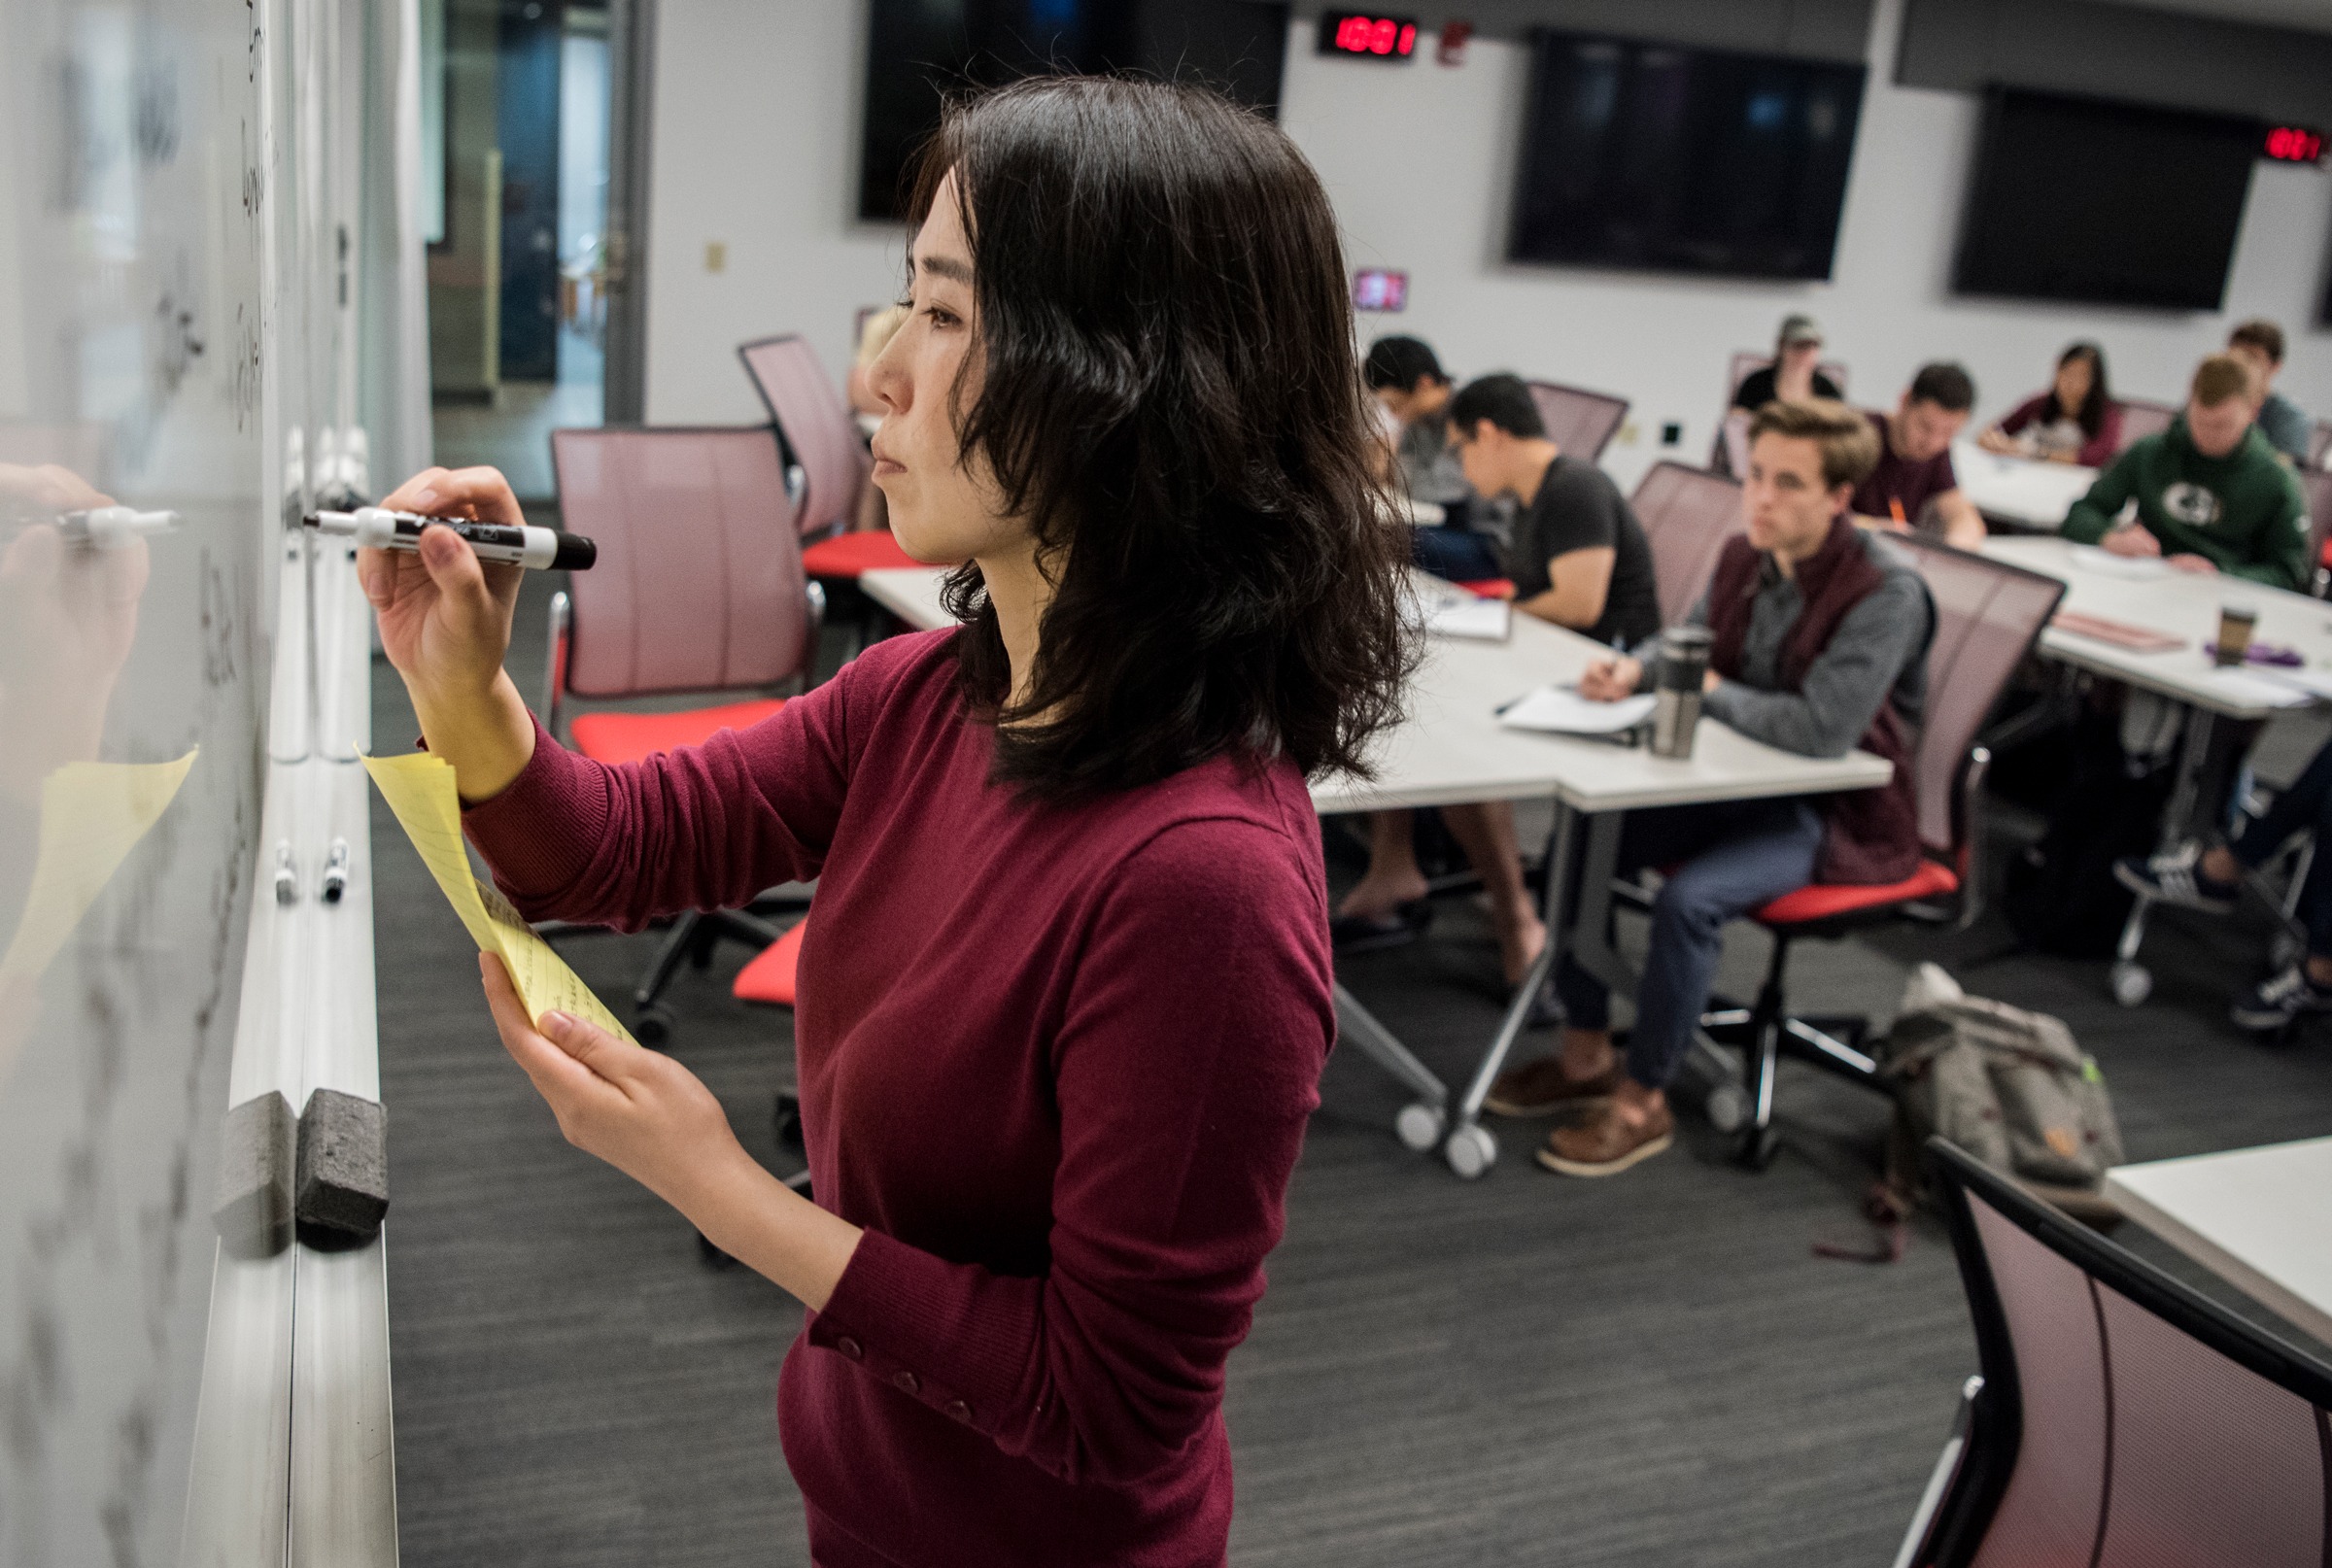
{"points": [[1368, 35], [2294, 144]]}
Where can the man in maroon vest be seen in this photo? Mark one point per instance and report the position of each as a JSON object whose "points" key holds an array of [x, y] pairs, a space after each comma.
{"points": [[1820, 636]]}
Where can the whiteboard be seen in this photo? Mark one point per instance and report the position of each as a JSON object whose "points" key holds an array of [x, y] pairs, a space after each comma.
{"points": [[184, 272]]}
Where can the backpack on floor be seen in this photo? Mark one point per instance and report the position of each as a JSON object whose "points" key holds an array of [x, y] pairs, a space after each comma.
{"points": [[2010, 1087], [2060, 894]]}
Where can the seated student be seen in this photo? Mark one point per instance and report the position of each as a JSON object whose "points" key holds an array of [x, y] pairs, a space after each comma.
{"points": [[1821, 634], [2209, 879], [2075, 420], [1409, 384], [2259, 345], [1791, 377], [2212, 493], [1580, 560], [1914, 471]]}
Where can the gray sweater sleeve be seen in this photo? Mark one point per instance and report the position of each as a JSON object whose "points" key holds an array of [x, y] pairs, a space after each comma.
{"points": [[1841, 691], [1647, 651]]}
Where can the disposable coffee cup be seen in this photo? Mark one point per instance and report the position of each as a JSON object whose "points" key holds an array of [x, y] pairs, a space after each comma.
{"points": [[2236, 624], [1677, 679]]}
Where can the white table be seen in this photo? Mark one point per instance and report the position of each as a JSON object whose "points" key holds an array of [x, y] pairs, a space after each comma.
{"points": [[1451, 750], [2259, 1218], [2023, 492], [2183, 605]]}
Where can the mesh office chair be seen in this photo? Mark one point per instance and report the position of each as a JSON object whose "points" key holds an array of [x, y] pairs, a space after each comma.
{"points": [[2120, 1419], [1988, 614], [2140, 419], [815, 426], [698, 588], [2320, 442], [1580, 422], [2316, 485], [1687, 516]]}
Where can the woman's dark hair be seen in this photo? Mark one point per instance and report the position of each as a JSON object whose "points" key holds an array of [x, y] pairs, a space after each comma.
{"points": [[2091, 415], [1169, 395]]}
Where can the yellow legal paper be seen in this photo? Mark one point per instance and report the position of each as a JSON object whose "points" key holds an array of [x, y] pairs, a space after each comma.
{"points": [[420, 789], [92, 815]]}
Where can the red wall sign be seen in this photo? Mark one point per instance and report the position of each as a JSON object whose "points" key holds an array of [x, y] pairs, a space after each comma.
{"points": [[1366, 34]]}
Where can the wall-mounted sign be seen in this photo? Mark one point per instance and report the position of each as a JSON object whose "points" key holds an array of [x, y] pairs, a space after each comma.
{"points": [[1454, 35], [1375, 289], [1366, 35]]}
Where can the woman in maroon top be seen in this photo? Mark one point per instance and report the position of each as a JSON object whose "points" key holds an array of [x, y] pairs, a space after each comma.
{"points": [[2075, 421], [1067, 992]]}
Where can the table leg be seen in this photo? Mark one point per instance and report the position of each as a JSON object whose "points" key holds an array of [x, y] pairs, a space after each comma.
{"points": [[1420, 1124], [2129, 980]]}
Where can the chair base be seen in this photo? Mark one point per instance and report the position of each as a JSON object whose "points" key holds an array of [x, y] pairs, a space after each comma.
{"points": [[693, 936], [1765, 1032]]}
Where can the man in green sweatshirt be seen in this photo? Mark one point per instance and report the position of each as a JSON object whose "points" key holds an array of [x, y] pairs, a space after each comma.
{"points": [[2211, 494]]}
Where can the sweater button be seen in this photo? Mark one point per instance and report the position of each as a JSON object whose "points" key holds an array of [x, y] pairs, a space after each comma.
{"points": [[960, 1411], [851, 1348], [908, 1382]]}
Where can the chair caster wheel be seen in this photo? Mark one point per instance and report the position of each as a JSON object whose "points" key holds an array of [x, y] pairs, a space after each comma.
{"points": [[652, 1024], [1471, 1150], [788, 1120], [1420, 1127], [1728, 1107], [2286, 951], [2131, 983], [1759, 1145]]}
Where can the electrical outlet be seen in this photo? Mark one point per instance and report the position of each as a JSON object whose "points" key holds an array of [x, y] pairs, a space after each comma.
{"points": [[1671, 433], [717, 256], [1628, 433]]}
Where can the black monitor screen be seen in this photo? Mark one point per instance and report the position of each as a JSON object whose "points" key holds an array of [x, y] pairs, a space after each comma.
{"points": [[2105, 203], [920, 49], [1654, 157]]}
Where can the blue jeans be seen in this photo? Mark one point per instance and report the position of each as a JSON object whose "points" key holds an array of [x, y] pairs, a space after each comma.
{"points": [[2307, 804], [1729, 858], [1453, 551]]}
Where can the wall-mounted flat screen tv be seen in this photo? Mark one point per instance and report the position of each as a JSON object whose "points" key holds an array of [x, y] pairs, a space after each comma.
{"points": [[2104, 203], [1657, 158], [916, 49]]}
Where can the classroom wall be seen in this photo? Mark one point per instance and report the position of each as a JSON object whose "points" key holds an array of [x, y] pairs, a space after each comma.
{"points": [[1418, 161]]}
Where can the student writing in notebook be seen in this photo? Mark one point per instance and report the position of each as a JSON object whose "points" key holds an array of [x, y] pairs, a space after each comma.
{"points": [[1068, 991]]}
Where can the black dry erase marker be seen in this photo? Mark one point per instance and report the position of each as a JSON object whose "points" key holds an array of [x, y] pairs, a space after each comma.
{"points": [[509, 544]]}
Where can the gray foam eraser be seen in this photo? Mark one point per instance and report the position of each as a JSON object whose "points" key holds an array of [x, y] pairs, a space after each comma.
{"points": [[341, 1189], [254, 1208]]}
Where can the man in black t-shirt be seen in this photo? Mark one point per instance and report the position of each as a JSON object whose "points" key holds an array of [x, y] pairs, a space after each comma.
{"points": [[1578, 557], [1580, 560]]}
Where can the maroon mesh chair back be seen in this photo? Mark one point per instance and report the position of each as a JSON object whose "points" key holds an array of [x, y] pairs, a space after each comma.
{"points": [[816, 425], [2316, 485], [1580, 422], [1987, 616], [2320, 442], [2124, 1420], [698, 583], [2140, 420], [1686, 514]]}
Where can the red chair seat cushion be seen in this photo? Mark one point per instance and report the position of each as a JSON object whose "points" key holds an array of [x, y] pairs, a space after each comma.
{"points": [[1490, 588], [627, 738], [846, 555], [770, 977], [1821, 901]]}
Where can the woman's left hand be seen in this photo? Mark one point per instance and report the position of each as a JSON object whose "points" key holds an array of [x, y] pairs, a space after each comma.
{"points": [[642, 1112]]}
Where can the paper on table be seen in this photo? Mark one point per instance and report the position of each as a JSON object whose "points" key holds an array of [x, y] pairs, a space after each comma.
{"points": [[2105, 563], [1464, 615], [92, 815], [2268, 690], [419, 790], [2315, 682], [1561, 710]]}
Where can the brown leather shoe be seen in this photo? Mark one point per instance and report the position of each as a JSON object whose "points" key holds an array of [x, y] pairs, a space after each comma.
{"points": [[1605, 1145], [1542, 1088]]}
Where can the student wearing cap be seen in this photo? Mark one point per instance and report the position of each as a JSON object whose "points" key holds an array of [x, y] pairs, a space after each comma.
{"points": [[2212, 495], [1406, 378], [2259, 345], [1792, 377], [1913, 486]]}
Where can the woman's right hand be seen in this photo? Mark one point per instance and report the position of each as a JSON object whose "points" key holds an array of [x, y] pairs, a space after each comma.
{"points": [[445, 625], [445, 615]]}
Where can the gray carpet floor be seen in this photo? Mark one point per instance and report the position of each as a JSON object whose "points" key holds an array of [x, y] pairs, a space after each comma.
{"points": [[1655, 1369]]}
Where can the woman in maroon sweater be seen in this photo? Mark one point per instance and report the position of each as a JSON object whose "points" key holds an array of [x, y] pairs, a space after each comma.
{"points": [[1067, 992]]}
